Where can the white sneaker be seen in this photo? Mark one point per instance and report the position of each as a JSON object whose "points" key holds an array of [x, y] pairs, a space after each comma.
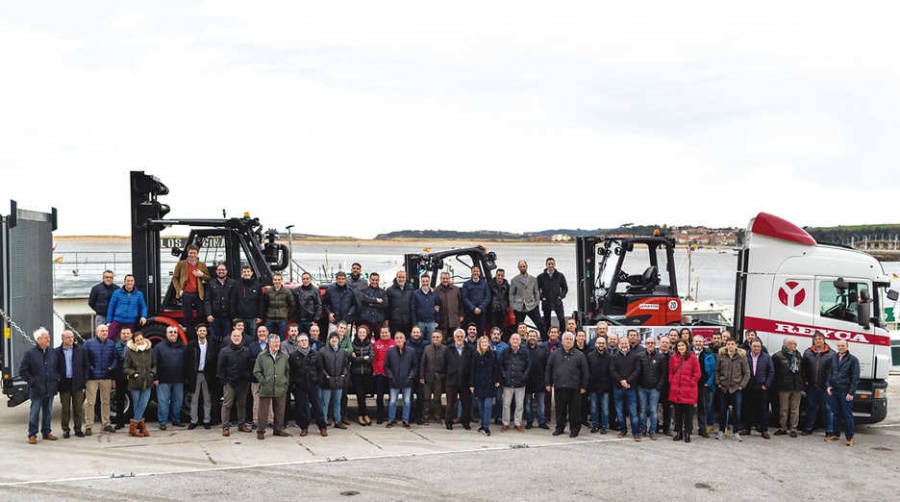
{"points": [[737, 437], [719, 436]]}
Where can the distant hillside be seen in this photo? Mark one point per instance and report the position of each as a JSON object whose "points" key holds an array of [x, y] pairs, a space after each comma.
{"points": [[844, 234], [517, 236]]}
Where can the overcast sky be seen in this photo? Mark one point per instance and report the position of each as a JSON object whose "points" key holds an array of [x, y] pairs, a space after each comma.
{"points": [[354, 118]]}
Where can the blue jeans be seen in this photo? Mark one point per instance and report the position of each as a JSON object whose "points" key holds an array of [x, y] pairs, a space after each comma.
{"points": [[220, 329], [649, 402], [816, 399], [139, 400], [41, 408], [169, 395], [392, 403], [427, 329], [486, 403], [538, 398], [733, 400], [843, 412], [277, 327], [705, 406], [599, 409], [622, 398], [332, 396]]}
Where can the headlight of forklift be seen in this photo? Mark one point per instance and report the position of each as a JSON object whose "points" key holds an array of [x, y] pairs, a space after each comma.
{"points": [[878, 394]]}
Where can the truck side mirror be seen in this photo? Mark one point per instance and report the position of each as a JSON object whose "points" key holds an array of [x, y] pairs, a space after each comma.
{"points": [[176, 252], [862, 310], [893, 295]]}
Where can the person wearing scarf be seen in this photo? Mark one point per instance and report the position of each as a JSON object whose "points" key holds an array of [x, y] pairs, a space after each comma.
{"points": [[789, 383]]}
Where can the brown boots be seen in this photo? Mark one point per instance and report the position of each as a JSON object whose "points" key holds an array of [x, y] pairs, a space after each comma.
{"points": [[133, 429]]}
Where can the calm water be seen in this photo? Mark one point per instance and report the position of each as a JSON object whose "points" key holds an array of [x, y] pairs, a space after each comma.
{"points": [[712, 271]]}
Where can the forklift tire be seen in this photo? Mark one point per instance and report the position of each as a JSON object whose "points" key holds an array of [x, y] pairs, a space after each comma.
{"points": [[155, 332]]}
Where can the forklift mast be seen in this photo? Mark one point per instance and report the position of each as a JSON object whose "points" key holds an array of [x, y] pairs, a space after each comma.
{"points": [[417, 264]]}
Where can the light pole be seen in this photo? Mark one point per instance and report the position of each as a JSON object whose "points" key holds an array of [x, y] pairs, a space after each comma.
{"points": [[291, 247]]}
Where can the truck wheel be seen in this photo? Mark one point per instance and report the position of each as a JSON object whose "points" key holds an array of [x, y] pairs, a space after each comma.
{"points": [[155, 332]]}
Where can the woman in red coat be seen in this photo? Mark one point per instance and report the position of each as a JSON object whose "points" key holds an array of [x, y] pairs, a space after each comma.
{"points": [[684, 372]]}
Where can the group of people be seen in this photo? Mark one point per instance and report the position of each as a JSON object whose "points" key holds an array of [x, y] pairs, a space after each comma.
{"points": [[257, 356]]}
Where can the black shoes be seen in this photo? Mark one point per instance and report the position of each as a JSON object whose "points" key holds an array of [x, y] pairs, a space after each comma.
{"points": [[449, 426], [678, 437], [544, 426], [557, 432], [191, 426]]}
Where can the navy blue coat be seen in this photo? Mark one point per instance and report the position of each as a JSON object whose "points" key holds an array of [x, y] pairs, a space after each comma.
{"points": [[476, 294], [485, 374], [401, 368], [102, 358], [99, 297], [370, 311], [765, 371], [80, 366], [170, 361], [422, 307], [844, 374], [40, 369], [400, 300], [341, 302]]}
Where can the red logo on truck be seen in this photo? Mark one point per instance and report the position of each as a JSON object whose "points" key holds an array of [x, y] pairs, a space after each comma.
{"points": [[791, 294]]}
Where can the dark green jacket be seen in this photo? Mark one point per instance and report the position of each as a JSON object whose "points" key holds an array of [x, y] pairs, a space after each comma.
{"points": [[273, 375], [140, 366], [277, 304]]}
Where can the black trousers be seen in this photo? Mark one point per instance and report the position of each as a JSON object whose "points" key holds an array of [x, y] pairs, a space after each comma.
{"points": [[554, 306], [360, 385], [684, 418], [119, 397], [756, 408], [306, 402], [464, 396], [191, 306], [667, 409], [535, 316], [497, 318], [478, 319], [568, 408], [418, 403]]}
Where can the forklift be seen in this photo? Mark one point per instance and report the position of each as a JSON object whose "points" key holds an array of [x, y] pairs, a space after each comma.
{"points": [[233, 241], [607, 292]]}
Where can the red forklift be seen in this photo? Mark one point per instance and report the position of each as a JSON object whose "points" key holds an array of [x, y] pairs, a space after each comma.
{"points": [[609, 291]]}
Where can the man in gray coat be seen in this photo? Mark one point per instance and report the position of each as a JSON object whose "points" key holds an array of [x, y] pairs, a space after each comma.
{"points": [[525, 298]]}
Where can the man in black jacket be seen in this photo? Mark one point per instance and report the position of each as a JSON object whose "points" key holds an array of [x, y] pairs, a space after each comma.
{"points": [[99, 297], [373, 303], [625, 371], [73, 372], [499, 305], [399, 298], [220, 304], [553, 288], [458, 371], [567, 375], [200, 374], [653, 376], [170, 378], [249, 300], [40, 368], [599, 385], [306, 372], [309, 303], [233, 370], [514, 370], [534, 386]]}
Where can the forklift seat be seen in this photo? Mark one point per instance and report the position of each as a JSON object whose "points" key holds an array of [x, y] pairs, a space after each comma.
{"points": [[649, 281]]}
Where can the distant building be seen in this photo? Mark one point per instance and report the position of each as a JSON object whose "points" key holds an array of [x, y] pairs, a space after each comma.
{"points": [[560, 238]]}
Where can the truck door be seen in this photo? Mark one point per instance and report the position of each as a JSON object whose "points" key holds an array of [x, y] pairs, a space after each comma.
{"points": [[836, 317]]}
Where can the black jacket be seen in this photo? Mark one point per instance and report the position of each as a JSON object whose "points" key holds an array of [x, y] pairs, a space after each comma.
{"points": [[458, 366], [401, 368], [306, 370], [653, 370], [552, 288], [370, 311], [234, 365], [567, 370], [499, 296], [485, 374], [170, 361], [40, 368], [334, 365], [99, 298], [249, 299], [341, 301], [816, 367], [80, 367], [309, 303], [626, 367], [536, 367], [362, 357], [784, 379], [221, 299], [400, 303], [598, 366], [514, 367], [192, 362]]}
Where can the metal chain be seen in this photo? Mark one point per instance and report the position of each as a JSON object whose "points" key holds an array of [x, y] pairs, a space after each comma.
{"points": [[74, 331], [15, 326]]}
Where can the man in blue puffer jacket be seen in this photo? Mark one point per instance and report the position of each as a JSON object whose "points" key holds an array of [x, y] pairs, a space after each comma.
{"points": [[103, 360], [476, 296], [127, 307]]}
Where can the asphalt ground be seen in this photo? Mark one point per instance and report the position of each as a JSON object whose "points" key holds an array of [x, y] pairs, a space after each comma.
{"points": [[431, 463]]}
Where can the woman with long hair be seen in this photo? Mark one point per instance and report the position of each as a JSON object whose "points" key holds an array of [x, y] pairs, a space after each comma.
{"points": [[361, 371], [485, 380], [684, 373], [140, 372]]}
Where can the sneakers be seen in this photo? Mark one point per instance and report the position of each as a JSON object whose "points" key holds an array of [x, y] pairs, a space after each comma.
{"points": [[652, 436], [737, 437], [720, 436]]}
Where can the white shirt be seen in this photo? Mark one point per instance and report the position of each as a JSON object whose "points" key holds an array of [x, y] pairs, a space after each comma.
{"points": [[202, 356]]}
